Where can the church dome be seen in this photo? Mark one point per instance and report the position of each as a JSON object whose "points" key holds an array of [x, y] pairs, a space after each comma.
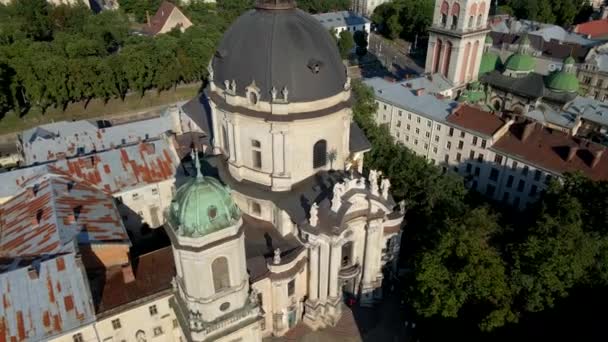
{"points": [[564, 80], [489, 62], [279, 46], [520, 62], [202, 206]]}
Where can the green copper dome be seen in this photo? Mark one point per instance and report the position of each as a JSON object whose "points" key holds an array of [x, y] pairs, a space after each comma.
{"points": [[563, 81], [520, 62], [489, 62], [202, 206]]}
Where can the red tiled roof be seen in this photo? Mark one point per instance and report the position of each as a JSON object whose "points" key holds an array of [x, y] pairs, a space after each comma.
{"points": [[154, 273], [158, 21], [549, 149], [595, 28], [475, 119]]}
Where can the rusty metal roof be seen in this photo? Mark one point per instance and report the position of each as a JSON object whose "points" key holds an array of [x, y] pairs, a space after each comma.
{"points": [[111, 171], [47, 298], [64, 139], [125, 168], [52, 213]]}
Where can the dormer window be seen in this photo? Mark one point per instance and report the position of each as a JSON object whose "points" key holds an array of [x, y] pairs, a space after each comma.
{"points": [[253, 98], [212, 212], [315, 66], [253, 93]]}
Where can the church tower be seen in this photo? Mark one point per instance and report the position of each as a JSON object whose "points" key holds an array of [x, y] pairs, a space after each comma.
{"points": [[456, 39], [212, 284]]}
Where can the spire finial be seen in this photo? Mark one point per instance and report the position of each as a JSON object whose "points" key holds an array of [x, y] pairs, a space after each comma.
{"points": [[197, 163]]}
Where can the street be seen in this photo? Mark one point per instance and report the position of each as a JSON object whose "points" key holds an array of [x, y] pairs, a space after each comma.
{"points": [[392, 57]]}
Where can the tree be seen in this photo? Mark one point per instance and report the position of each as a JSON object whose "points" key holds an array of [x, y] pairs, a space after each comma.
{"points": [[345, 43], [360, 38], [36, 22], [5, 93], [404, 18], [464, 268]]}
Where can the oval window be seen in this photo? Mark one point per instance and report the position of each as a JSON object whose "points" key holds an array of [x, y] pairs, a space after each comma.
{"points": [[212, 212], [224, 306]]}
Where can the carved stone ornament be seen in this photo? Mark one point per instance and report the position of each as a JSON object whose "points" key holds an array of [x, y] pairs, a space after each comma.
{"points": [[277, 256]]}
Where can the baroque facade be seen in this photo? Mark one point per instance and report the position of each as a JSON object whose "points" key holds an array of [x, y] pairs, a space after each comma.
{"points": [[280, 230]]}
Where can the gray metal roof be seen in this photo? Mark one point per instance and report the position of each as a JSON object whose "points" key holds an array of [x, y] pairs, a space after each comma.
{"points": [[46, 142], [277, 49], [358, 141], [48, 300], [400, 95], [590, 109], [341, 19]]}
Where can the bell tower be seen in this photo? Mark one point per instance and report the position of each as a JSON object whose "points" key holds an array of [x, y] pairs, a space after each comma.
{"points": [[456, 39]]}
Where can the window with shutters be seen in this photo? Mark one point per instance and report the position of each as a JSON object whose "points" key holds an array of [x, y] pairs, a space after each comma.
{"points": [[221, 277], [319, 154]]}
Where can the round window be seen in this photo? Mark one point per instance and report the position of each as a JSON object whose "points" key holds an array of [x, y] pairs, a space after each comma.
{"points": [[212, 212], [224, 306]]}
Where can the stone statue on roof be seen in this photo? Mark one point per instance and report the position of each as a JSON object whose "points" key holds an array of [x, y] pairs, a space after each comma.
{"points": [[384, 186], [277, 256], [373, 181], [336, 201], [314, 215]]}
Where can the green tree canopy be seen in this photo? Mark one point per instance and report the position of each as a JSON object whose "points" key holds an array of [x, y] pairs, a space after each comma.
{"points": [[346, 43]]}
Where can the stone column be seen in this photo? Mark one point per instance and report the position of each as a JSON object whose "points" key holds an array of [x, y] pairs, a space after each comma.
{"points": [[336, 255], [371, 252], [278, 151], [231, 139], [313, 282], [324, 270]]}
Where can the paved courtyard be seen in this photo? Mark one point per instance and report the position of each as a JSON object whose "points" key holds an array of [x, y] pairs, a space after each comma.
{"points": [[383, 323]]}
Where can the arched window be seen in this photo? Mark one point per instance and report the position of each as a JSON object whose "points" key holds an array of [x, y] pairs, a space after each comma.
{"points": [[347, 254], [447, 58], [253, 97], [219, 270], [480, 13], [437, 55], [473, 14], [445, 9], [455, 14], [319, 154]]}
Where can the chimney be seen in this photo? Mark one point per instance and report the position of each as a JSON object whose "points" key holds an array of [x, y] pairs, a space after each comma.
{"points": [[597, 156], [127, 273], [528, 129], [571, 152], [148, 18]]}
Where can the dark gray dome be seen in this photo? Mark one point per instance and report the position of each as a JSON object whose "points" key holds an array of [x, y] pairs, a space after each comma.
{"points": [[280, 48]]}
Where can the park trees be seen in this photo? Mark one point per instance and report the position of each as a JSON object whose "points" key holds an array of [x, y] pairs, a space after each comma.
{"points": [[470, 261], [346, 43], [404, 18], [561, 12], [70, 54]]}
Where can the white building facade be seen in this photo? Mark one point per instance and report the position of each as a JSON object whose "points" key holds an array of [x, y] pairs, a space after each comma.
{"points": [[493, 154]]}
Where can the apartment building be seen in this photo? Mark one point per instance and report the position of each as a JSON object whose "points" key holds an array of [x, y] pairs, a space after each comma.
{"points": [[503, 158]]}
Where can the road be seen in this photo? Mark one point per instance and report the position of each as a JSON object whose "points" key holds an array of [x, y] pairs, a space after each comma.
{"points": [[392, 57]]}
